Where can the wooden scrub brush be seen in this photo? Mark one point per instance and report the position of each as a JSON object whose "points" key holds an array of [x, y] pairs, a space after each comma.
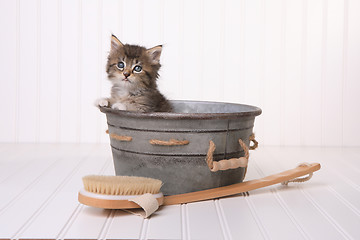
{"points": [[114, 192]]}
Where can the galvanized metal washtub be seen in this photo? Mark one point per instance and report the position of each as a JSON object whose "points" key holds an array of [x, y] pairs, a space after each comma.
{"points": [[181, 167]]}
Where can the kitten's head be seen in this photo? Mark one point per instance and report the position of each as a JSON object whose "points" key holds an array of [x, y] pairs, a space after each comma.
{"points": [[131, 66]]}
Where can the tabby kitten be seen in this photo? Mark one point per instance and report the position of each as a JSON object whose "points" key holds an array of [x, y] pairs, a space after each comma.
{"points": [[133, 71]]}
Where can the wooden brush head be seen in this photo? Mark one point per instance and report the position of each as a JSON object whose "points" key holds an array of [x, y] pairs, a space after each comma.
{"points": [[121, 185]]}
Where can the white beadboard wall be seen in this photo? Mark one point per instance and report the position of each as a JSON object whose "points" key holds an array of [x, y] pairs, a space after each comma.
{"points": [[298, 60]]}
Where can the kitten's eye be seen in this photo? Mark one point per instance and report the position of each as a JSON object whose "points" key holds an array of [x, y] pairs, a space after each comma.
{"points": [[137, 68], [121, 65]]}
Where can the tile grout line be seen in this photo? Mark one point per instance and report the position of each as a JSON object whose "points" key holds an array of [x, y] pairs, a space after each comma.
{"points": [[23, 166], [256, 218], [34, 159], [51, 197], [187, 222], [346, 164], [28, 187], [220, 219], [331, 220], [348, 181], [48, 200], [143, 230], [344, 201], [70, 221], [183, 222], [107, 224], [223, 222], [110, 218], [350, 164], [344, 178], [77, 210], [289, 213], [260, 225], [284, 206], [108, 162]]}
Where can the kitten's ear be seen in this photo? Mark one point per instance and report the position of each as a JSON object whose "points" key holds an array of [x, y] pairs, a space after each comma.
{"points": [[115, 43], [155, 53]]}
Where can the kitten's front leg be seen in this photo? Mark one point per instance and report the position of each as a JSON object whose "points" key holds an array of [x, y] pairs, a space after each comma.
{"points": [[102, 102], [118, 106]]}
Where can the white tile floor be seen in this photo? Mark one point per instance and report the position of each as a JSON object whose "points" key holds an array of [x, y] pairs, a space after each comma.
{"points": [[39, 184]]}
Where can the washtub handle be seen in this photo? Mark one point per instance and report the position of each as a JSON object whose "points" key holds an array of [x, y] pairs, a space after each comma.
{"points": [[226, 164]]}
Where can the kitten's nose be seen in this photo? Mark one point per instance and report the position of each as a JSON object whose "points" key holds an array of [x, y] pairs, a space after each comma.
{"points": [[126, 73]]}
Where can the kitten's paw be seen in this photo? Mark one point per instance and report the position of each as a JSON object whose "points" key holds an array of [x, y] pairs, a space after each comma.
{"points": [[118, 106], [101, 102]]}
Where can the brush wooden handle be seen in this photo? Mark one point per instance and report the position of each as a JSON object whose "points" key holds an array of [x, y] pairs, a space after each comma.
{"points": [[241, 187], [104, 202]]}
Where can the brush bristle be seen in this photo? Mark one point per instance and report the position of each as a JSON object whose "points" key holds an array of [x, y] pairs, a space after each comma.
{"points": [[121, 185]]}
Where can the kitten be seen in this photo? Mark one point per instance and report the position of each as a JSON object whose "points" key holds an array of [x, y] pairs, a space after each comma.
{"points": [[133, 71]]}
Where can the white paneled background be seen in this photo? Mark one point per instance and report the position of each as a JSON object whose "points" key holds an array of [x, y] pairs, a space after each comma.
{"points": [[299, 60]]}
